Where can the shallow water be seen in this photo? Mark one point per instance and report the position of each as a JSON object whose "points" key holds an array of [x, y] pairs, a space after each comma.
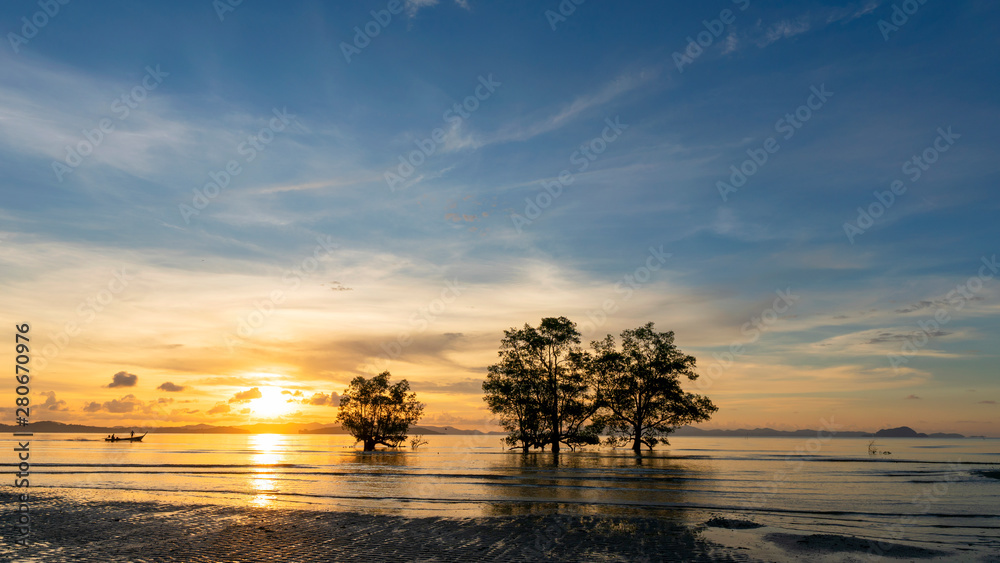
{"points": [[936, 490]]}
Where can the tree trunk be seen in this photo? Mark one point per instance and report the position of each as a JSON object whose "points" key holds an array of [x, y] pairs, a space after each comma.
{"points": [[369, 445], [637, 444]]}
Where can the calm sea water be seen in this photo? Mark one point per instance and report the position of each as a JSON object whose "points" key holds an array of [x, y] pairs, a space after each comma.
{"points": [[938, 490]]}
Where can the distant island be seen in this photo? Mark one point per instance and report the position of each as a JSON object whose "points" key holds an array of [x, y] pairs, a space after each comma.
{"points": [[901, 432], [907, 432], [318, 428]]}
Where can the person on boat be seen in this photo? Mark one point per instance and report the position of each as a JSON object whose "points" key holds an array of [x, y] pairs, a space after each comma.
{"points": [[112, 437], [132, 435]]}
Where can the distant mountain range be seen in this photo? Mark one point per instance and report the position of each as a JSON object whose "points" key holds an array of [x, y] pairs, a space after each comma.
{"points": [[901, 432]]}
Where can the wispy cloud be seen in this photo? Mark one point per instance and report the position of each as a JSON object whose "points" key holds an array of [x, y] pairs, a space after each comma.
{"points": [[574, 109], [764, 35], [852, 12], [414, 6], [731, 44], [784, 29]]}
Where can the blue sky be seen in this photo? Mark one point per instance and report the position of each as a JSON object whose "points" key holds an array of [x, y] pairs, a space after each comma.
{"points": [[377, 295]]}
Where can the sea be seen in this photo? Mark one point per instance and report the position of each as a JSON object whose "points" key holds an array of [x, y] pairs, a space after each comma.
{"points": [[934, 491]]}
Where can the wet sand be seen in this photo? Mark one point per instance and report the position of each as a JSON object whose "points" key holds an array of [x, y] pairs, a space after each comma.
{"points": [[153, 532], [74, 530]]}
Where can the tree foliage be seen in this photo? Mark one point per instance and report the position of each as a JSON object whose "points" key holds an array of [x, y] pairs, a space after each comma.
{"points": [[541, 389], [640, 393], [376, 413]]}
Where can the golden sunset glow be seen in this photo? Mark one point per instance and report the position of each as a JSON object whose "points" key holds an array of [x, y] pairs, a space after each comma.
{"points": [[235, 259], [267, 452], [271, 404]]}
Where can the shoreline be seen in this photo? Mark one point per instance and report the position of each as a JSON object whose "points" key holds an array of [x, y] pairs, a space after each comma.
{"points": [[134, 531]]}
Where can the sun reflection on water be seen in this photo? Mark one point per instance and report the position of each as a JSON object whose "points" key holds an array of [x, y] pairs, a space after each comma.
{"points": [[268, 450]]}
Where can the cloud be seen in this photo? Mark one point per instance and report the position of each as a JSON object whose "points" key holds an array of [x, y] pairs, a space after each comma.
{"points": [[220, 408], [467, 386], [124, 404], [171, 387], [783, 30], [51, 403], [321, 399], [911, 397], [936, 303], [851, 13], [295, 394], [762, 36], [916, 306], [517, 132], [233, 380], [987, 402], [123, 379], [788, 28], [903, 336], [337, 286], [414, 6], [732, 43], [40, 125], [246, 396]]}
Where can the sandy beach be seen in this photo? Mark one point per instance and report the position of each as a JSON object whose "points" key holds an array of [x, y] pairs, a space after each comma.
{"points": [[64, 530]]}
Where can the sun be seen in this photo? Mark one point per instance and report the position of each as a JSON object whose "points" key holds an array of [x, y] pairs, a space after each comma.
{"points": [[271, 403]]}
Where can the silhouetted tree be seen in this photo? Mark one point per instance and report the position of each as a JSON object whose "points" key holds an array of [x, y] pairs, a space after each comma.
{"points": [[513, 394], [376, 413], [541, 389], [640, 393]]}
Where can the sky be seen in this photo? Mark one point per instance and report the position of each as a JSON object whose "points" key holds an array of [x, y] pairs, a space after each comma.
{"points": [[221, 214]]}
